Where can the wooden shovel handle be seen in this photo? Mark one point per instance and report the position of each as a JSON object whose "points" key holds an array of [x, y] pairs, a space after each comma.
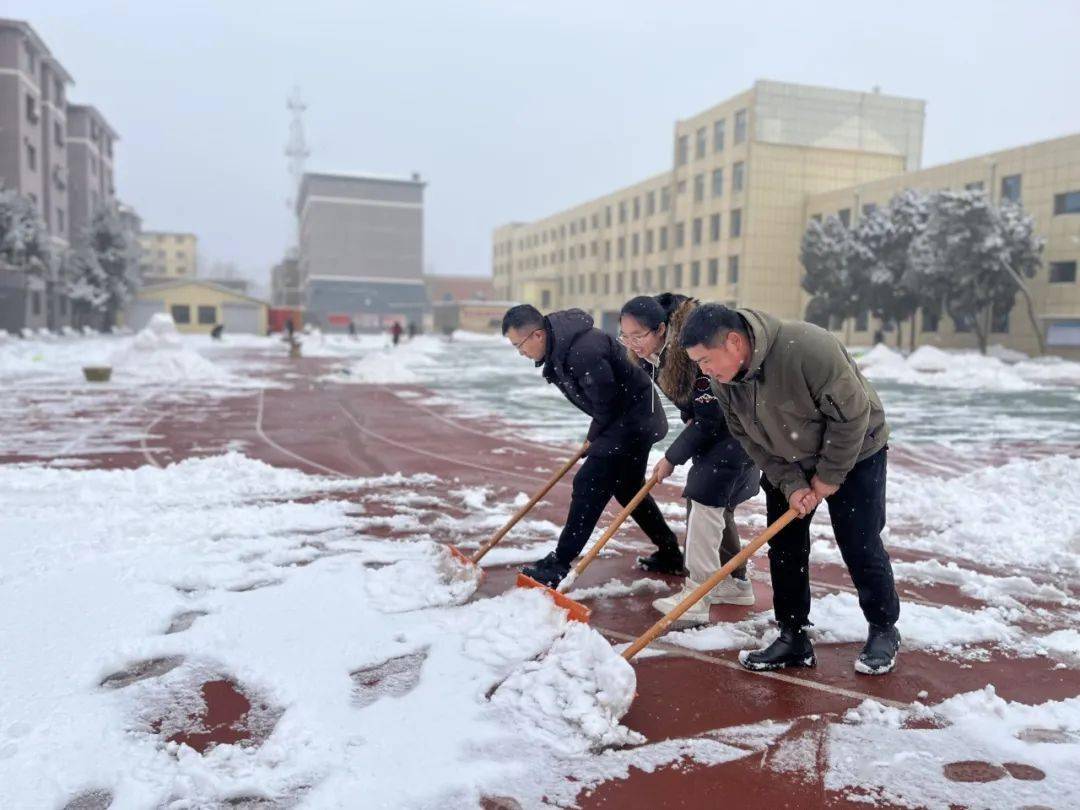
{"points": [[646, 638], [535, 499], [614, 527]]}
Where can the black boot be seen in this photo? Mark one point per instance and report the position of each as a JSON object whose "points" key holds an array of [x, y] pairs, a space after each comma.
{"points": [[878, 655], [549, 571], [667, 559], [791, 649]]}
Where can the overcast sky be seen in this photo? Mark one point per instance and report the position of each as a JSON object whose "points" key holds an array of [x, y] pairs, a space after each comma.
{"points": [[510, 110]]}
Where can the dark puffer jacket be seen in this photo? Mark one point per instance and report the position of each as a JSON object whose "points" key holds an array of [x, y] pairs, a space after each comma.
{"points": [[722, 474], [593, 372]]}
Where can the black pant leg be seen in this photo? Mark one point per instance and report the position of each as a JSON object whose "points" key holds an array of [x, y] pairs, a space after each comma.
{"points": [[647, 515], [594, 484], [857, 511], [789, 562]]}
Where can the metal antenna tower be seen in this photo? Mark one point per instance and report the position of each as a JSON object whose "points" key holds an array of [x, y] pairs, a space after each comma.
{"points": [[296, 150]]}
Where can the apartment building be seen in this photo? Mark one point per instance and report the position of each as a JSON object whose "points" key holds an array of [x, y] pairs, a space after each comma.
{"points": [[361, 249], [167, 255], [1045, 179], [724, 223]]}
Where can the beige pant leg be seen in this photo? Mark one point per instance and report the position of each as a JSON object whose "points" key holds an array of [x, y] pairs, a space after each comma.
{"points": [[707, 528]]}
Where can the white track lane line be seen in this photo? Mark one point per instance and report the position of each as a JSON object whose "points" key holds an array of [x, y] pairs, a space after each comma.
{"points": [[146, 434], [262, 434], [86, 434]]}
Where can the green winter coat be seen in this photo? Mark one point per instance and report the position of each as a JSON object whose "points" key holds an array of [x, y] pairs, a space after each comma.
{"points": [[802, 406]]}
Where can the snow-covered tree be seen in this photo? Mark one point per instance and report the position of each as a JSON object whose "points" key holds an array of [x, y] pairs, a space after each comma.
{"points": [[24, 241], [103, 269], [879, 260], [827, 249], [973, 257]]}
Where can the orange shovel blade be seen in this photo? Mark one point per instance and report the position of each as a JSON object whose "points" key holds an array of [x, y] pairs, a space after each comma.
{"points": [[577, 611], [463, 559]]}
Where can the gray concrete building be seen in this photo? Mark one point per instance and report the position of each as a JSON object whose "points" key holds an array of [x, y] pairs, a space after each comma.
{"points": [[90, 143], [285, 284], [361, 249]]}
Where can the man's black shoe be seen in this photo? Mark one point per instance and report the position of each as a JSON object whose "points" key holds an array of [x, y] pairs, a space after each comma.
{"points": [[791, 649], [878, 655], [549, 571], [665, 560]]}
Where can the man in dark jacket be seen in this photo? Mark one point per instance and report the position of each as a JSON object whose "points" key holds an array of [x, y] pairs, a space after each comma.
{"points": [[805, 414], [594, 374]]}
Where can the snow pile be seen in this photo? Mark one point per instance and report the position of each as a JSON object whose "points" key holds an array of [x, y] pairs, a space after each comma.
{"points": [[406, 363], [157, 354], [873, 752], [1025, 512], [573, 697], [434, 578], [930, 366]]}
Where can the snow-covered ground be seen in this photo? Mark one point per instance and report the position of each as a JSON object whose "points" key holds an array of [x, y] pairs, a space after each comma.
{"points": [[365, 674]]}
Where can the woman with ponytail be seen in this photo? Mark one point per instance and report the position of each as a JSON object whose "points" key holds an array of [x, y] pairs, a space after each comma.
{"points": [[721, 475]]}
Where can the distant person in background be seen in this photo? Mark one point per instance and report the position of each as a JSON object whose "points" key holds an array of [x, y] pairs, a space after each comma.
{"points": [[289, 328], [352, 328], [879, 337], [395, 332], [412, 329], [215, 333]]}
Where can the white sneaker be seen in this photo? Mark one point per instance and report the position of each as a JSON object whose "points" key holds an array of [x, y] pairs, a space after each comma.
{"points": [[732, 591], [698, 614]]}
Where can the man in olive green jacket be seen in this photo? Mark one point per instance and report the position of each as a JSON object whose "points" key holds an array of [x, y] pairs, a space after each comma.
{"points": [[802, 410]]}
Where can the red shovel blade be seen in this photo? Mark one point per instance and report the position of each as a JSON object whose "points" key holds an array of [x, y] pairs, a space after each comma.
{"points": [[463, 559], [577, 611]]}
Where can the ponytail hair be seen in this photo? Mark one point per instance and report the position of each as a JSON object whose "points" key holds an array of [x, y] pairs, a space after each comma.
{"points": [[651, 311]]}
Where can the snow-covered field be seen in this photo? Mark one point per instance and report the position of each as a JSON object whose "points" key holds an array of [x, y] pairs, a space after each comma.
{"points": [[123, 593]]}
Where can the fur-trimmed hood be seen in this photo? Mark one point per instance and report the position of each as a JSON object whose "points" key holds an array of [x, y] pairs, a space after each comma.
{"points": [[677, 372]]}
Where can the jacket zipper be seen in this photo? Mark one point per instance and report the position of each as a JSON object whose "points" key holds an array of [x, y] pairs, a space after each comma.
{"points": [[839, 412]]}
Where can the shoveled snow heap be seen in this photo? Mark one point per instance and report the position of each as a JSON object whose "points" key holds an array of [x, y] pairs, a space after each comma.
{"points": [[435, 578], [573, 697], [158, 354]]}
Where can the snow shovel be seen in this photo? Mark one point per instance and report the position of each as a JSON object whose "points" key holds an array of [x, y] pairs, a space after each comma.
{"points": [[578, 612], [649, 636], [535, 499]]}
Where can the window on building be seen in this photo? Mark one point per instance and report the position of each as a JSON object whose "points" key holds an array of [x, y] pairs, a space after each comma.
{"points": [[595, 221], [207, 314], [696, 230], [545, 299], [620, 282], [31, 156], [593, 248], [930, 320], [701, 143], [740, 126], [607, 284], [648, 241], [695, 274], [35, 302], [738, 177], [634, 244], [633, 281], [718, 183], [680, 234], [637, 207], [663, 237], [621, 250], [714, 272], [562, 232], [607, 216], [573, 228], [699, 187], [647, 279], [622, 211], [962, 324], [999, 320], [581, 283], [665, 198], [845, 217], [676, 273], [714, 228], [1062, 272], [592, 283], [32, 109], [815, 217], [682, 148], [181, 313], [680, 187], [581, 251], [718, 135], [977, 185], [58, 133], [733, 270], [650, 203], [868, 209], [862, 321], [661, 277], [607, 250], [735, 223], [59, 220], [1010, 188], [1067, 203], [570, 285]]}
